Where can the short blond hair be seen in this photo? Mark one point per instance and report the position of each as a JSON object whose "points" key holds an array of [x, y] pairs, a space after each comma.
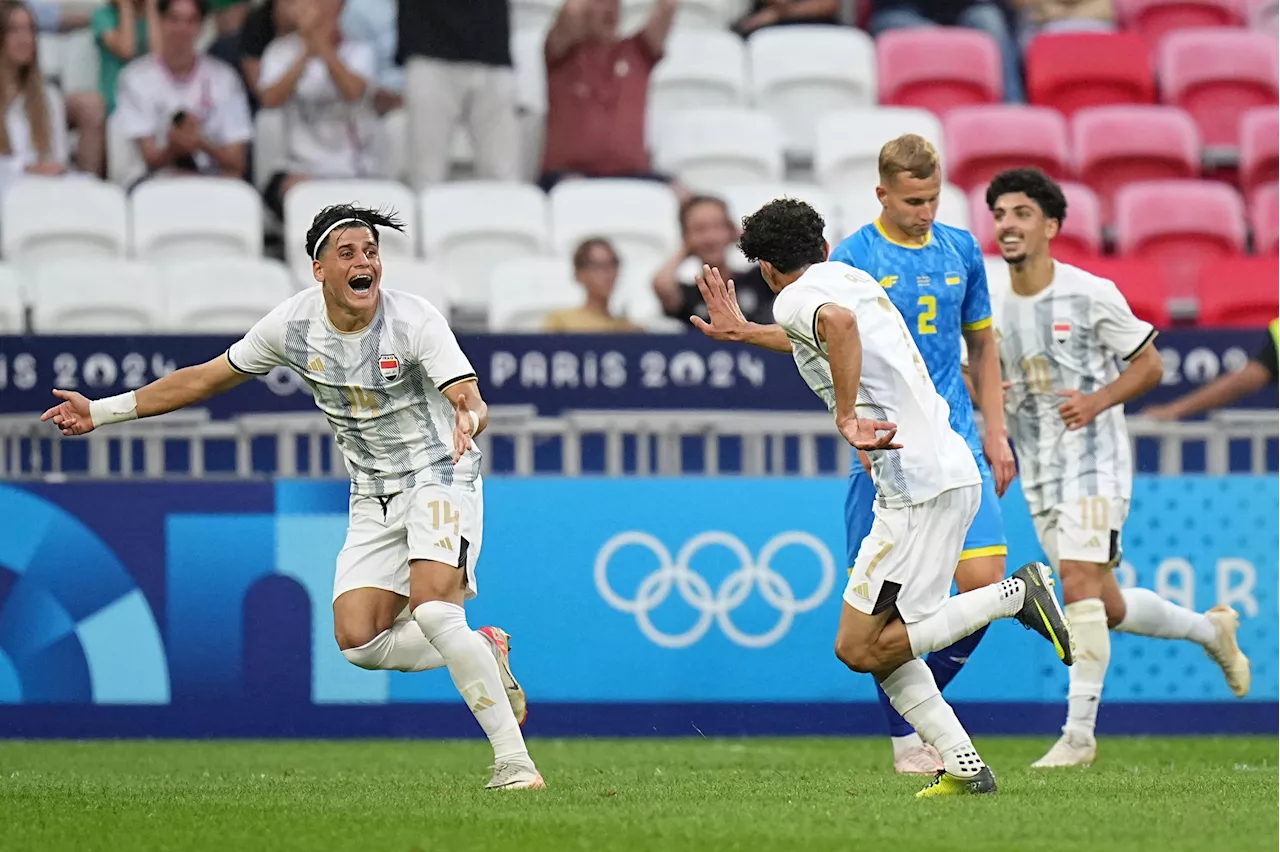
{"points": [[909, 153]]}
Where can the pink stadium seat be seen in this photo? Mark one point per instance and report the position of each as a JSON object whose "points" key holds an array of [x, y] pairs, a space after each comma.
{"points": [[1239, 292], [1116, 145], [938, 68], [1259, 148], [1217, 75], [1264, 219], [1080, 238], [1153, 19], [982, 141], [1142, 282], [1070, 71]]}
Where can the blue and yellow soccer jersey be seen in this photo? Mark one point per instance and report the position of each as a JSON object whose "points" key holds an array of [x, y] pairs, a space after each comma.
{"points": [[940, 288]]}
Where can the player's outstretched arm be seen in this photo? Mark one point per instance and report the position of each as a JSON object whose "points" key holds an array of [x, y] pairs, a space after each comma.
{"points": [[471, 416], [988, 395], [839, 328], [78, 415], [727, 321], [1143, 373], [1219, 392]]}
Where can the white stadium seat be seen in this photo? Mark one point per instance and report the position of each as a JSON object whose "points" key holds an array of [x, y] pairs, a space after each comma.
{"points": [[270, 154], [12, 305], [699, 68], [690, 14], [96, 296], [800, 72], [526, 289], [186, 217], [847, 142], [861, 207], [426, 278], [65, 217], [226, 297], [745, 199], [640, 218], [305, 200], [710, 147], [81, 63], [471, 226]]}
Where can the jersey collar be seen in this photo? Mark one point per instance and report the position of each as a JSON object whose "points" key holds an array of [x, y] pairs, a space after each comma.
{"points": [[928, 237]]}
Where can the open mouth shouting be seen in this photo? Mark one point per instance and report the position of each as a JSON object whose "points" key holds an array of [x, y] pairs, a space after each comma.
{"points": [[361, 283]]}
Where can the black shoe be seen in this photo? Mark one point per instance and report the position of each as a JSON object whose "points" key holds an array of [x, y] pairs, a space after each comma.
{"points": [[1041, 612]]}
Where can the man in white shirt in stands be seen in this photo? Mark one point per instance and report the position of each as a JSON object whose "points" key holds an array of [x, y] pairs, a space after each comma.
{"points": [[403, 402], [187, 112], [853, 349]]}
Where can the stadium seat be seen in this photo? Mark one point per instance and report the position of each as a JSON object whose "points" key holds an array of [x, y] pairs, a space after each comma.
{"points": [[1217, 75], [847, 143], [393, 145], [426, 278], [690, 14], [1116, 145], [1154, 19], [746, 198], [1264, 218], [269, 153], [223, 298], [862, 207], [1239, 292], [1141, 282], [96, 296], [709, 147], [800, 72], [1071, 71], [1263, 16], [305, 200], [471, 226], [1259, 148], [982, 141], [640, 218], [13, 309], [526, 289], [1079, 239], [938, 68], [699, 68], [64, 217], [175, 218]]}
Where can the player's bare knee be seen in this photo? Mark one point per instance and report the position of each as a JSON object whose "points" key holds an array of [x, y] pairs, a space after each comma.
{"points": [[353, 633], [855, 654], [1080, 580], [435, 581]]}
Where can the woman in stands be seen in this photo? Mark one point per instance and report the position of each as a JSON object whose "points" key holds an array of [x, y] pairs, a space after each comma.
{"points": [[33, 135]]}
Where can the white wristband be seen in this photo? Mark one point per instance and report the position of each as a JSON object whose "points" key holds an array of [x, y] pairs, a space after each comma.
{"points": [[475, 421], [114, 409]]}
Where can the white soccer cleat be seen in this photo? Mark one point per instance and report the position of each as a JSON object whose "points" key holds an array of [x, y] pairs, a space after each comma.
{"points": [[500, 644], [1226, 652], [1069, 750], [920, 760], [515, 775]]}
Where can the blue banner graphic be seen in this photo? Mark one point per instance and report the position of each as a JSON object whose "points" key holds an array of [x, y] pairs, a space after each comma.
{"points": [[636, 606], [554, 373]]}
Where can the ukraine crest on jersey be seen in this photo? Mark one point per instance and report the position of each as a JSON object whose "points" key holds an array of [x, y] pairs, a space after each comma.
{"points": [[940, 288]]}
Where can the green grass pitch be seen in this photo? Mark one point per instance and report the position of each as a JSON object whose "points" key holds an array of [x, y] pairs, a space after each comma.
{"points": [[695, 794]]}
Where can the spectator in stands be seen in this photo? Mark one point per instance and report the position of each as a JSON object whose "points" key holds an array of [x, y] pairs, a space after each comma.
{"points": [[595, 266], [187, 112], [229, 15], [33, 135], [773, 13], [990, 16], [54, 17], [1062, 16], [322, 81], [243, 50], [1262, 370], [374, 22], [707, 234], [86, 112], [123, 31], [597, 91], [457, 60]]}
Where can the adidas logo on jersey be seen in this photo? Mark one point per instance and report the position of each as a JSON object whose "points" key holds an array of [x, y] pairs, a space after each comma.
{"points": [[316, 365], [861, 591], [1093, 542], [445, 544]]}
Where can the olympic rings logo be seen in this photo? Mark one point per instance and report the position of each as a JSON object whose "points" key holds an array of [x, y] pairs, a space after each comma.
{"points": [[675, 574]]}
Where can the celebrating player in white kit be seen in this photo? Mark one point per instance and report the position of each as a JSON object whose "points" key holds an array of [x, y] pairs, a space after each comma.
{"points": [[1060, 332], [403, 402], [853, 349]]}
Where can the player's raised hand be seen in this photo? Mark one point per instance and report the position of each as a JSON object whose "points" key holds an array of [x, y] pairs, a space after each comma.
{"points": [[1078, 411], [866, 434], [464, 428], [727, 320], [71, 415]]}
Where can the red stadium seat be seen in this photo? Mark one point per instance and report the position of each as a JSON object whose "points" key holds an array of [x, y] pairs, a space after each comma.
{"points": [[982, 141], [1217, 75], [938, 68], [1239, 292], [1142, 282], [1071, 71], [1259, 148], [1115, 145], [1079, 240], [1264, 219], [1153, 19]]}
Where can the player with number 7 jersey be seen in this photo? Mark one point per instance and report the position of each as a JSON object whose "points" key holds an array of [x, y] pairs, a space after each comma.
{"points": [[404, 406]]}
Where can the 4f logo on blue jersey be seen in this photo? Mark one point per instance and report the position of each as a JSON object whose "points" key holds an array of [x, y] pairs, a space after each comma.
{"points": [[888, 281]]}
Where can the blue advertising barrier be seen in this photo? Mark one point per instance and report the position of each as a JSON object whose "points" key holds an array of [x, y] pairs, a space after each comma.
{"points": [[554, 373], [637, 606]]}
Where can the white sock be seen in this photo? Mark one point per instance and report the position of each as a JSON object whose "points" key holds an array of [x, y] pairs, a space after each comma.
{"points": [[914, 694], [1093, 652], [902, 745], [1148, 614], [402, 648], [963, 614], [475, 674]]}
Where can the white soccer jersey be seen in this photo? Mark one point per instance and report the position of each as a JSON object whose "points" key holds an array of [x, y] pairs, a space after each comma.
{"points": [[1066, 337], [381, 387], [894, 386]]}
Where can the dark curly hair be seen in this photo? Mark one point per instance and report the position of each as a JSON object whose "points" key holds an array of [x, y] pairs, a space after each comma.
{"points": [[368, 217], [1037, 186], [785, 232]]}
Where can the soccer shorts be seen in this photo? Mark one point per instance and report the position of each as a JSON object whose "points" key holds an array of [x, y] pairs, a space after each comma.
{"points": [[1085, 530], [442, 523], [908, 560], [986, 534]]}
